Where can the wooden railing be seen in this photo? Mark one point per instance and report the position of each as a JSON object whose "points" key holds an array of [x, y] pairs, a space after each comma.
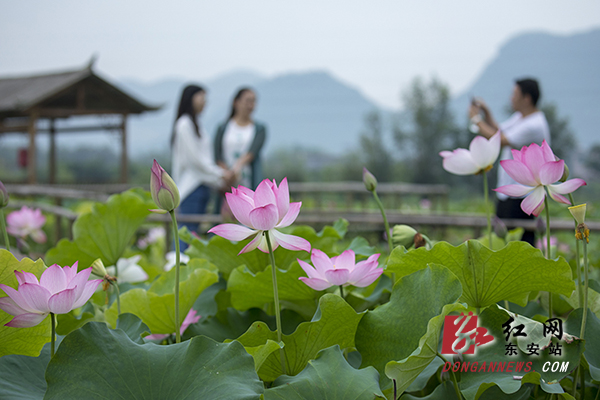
{"points": [[362, 220]]}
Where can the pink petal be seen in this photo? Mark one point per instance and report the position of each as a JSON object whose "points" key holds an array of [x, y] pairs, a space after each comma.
{"points": [[71, 272], [282, 195], [337, 276], [79, 281], [547, 152], [264, 247], [240, 208], [26, 277], [321, 262], [558, 197], [290, 242], [539, 209], [361, 270], [567, 187], [36, 295], [551, 172], [519, 172], [533, 201], [190, 318], [232, 231], [62, 302], [514, 190], [9, 306], [26, 320], [54, 279], [445, 153], [88, 291], [38, 236], [460, 163], [316, 284], [369, 278], [18, 298], [310, 271], [516, 155], [264, 195], [346, 260], [253, 244], [290, 217], [533, 158], [156, 336], [264, 218]]}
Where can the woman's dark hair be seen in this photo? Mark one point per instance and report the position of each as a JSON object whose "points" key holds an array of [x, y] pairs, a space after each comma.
{"points": [[238, 95], [186, 107]]}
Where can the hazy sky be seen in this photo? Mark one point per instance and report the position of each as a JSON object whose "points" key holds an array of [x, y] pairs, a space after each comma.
{"points": [[378, 46]]}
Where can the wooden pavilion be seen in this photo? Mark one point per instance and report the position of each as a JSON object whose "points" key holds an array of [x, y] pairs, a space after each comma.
{"points": [[24, 101]]}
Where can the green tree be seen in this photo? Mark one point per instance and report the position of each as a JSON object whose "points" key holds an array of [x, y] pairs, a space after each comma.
{"points": [[377, 157], [428, 128]]}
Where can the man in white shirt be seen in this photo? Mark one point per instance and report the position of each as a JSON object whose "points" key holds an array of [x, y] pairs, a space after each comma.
{"points": [[525, 126]]}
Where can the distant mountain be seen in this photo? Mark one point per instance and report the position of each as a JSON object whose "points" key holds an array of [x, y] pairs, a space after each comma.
{"points": [[566, 67], [311, 109]]}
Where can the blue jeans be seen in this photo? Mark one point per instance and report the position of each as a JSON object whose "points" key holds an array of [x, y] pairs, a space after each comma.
{"points": [[194, 203]]}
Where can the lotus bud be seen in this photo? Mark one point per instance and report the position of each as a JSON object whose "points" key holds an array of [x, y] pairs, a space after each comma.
{"points": [[403, 235], [98, 268], [419, 240], [565, 174], [499, 227], [578, 212], [369, 180], [540, 225], [3, 196], [163, 189]]}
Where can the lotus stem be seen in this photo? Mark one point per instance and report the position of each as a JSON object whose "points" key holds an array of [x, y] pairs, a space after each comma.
{"points": [[118, 297], [276, 297], [487, 209], [341, 291], [386, 225], [53, 337], [4, 231], [176, 236], [456, 388], [577, 258], [586, 282], [395, 390], [548, 247]]}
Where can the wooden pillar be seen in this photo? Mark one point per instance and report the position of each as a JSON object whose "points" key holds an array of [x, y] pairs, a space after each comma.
{"points": [[124, 171], [52, 155], [31, 154]]}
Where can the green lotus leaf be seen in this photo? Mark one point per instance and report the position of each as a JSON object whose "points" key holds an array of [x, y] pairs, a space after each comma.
{"points": [[334, 323], [401, 327], [487, 276], [101, 363], [105, 232], [156, 306], [330, 377]]}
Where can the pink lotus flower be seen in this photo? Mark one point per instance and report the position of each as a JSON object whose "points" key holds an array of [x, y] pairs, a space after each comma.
{"points": [[339, 270], [59, 291], [27, 222], [262, 211], [480, 157], [537, 169], [191, 318]]}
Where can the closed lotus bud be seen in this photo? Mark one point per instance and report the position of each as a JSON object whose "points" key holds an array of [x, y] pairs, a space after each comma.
{"points": [[369, 180], [163, 189], [578, 212], [403, 235], [565, 174], [419, 240], [98, 268], [3, 196], [499, 227]]}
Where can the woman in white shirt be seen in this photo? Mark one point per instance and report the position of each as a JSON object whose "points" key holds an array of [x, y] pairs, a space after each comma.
{"points": [[193, 167]]}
